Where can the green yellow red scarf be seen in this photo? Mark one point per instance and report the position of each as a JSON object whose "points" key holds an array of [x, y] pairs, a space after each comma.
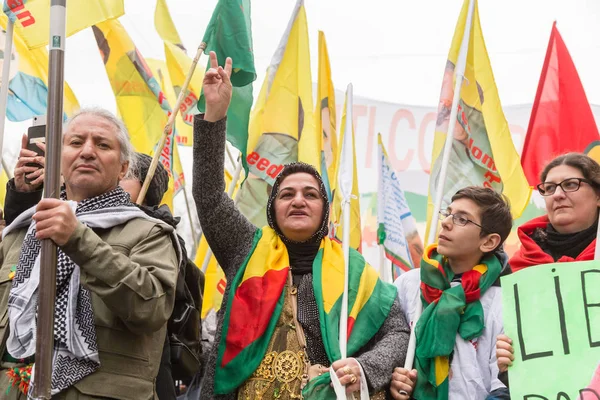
{"points": [[446, 311], [256, 299]]}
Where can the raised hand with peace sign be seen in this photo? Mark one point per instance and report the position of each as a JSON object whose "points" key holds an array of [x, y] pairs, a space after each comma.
{"points": [[217, 89]]}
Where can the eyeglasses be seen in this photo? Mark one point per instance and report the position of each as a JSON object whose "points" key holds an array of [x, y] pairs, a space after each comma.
{"points": [[568, 185], [458, 219]]}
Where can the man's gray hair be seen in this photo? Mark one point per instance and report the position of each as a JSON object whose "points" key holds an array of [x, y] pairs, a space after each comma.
{"points": [[121, 130]]}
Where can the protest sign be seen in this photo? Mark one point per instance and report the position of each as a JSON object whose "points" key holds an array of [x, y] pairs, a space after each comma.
{"points": [[552, 314]]}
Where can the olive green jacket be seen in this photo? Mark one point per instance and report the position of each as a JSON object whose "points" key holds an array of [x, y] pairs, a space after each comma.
{"points": [[131, 272]]}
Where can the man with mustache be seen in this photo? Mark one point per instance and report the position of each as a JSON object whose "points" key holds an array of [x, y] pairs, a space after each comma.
{"points": [[116, 275]]}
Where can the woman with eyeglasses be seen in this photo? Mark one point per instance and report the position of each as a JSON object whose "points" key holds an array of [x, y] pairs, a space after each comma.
{"points": [[571, 189]]}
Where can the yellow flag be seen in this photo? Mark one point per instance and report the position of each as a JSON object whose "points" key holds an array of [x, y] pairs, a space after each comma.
{"points": [[214, 277], [281, 126], [3, 182], [483, 153], [214, 280], [342, 168], [159, 70], [32, 17], [29, 81], [178, 65], [141, 103], [325, 113], [164, 24]]}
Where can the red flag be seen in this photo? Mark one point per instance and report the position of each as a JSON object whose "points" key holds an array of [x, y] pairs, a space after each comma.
{"points": [[561, 119]]}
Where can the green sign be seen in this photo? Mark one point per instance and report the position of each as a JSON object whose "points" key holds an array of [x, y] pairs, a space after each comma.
{"points": [[552, 314]]}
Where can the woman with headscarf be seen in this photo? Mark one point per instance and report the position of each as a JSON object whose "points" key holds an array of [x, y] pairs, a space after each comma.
{"points": [[277, 332]]}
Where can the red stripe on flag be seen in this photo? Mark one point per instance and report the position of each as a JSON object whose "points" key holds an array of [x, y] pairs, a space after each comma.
{"points": [[351, 322], [251, 311]]}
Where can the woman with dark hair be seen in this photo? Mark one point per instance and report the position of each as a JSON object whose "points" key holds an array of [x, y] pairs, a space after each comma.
{"points": [[571, 189], [278, 331], [570, 185]]}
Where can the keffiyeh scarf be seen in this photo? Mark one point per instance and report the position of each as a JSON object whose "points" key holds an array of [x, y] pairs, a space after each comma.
{"points": [[75, 346]]}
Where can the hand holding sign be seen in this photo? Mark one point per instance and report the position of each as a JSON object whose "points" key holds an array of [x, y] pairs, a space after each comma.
{"points": [[552, 312], [504, 352]]}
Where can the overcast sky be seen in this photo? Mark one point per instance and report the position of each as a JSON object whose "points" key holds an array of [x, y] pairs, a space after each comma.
{"points": [[391, 50]]}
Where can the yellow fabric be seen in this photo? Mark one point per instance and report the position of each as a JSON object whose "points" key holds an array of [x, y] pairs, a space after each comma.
{"points": [[355, 224], [214, 280], [442, 368], [282, 126], [332, 279], [164, 24], [285, 85], [270, 254], [332, 270], [326, 90], [178, 65], [214, 277], [368, 280], [479, 76], [159, 70], [137, 105], [3, 182], [35, 63], [481, 268], [33, 18]]}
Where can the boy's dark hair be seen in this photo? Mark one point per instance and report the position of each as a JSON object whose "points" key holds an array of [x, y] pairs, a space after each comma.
{"points": [[494, 210]]}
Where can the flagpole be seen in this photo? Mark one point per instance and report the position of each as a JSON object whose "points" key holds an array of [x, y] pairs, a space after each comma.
{"points": [[345, 186], [229, 155], [8, 43], [48, 257], [189, 213], [230, 190], [380, 206], [169, 125], [459, 71], [346, 251]]}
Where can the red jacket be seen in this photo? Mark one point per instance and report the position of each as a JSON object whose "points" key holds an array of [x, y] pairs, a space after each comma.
{"points": [[531, 254]]}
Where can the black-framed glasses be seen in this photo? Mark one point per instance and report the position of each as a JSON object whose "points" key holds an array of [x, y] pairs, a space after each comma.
{"points": [[458, 219], [568, 185]]}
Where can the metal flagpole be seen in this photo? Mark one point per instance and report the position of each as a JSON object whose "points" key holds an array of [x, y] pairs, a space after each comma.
{"points": [[8, 43], [345, 186], [47, 288]]}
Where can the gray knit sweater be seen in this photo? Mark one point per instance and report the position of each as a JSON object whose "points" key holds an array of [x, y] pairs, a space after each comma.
{"points": [[229, 235]]}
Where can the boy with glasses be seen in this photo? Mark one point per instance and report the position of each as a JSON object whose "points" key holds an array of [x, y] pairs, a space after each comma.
{"points": [[458, 284]]}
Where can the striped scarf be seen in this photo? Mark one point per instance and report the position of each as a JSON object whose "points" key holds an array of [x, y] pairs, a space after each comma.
{"points": [[256, 299], [447, 310], [75, 353]]}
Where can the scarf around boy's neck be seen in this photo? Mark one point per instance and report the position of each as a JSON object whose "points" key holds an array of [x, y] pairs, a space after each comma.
{"points": [[447, 310]]}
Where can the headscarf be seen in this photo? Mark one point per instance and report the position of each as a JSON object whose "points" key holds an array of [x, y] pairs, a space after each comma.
{"points": [[302, 253], [159, 183]]}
